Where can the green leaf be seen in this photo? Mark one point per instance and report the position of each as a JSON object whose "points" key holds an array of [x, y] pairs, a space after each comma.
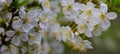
{"points": [[23, 3], [113, 4]]}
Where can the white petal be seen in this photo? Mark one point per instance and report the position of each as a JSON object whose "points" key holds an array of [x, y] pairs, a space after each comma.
{"points": [[1, 30], [31, 42], [56, 7], [90, 27], [88, 33], [76, 6], [103, 8], [84, 16], [22, 12], [27, 27], [16, 40], [10, 33], [38, 39], [94, 21], [66, 2], [82, 7], [96, 13], [35, 24], [14, 50], [90, 5], [111, 15], [105, 24], [24, 50], [88, 44], [76, 20], [24, 37], [17, 24], [81, 29], [43, 25], [97, 32], [71, 1], [34, 13]]}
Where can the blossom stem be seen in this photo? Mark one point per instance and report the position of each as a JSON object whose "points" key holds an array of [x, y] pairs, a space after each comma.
{"points": [[73, 27]]}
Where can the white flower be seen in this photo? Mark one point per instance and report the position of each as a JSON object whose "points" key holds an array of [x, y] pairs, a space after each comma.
{"points": [[105, 16], [87, 13], [47, 19], [67, 5], [46, 5], [80, 44], [66, 33], [55, 30], [70, 8], [32, 29], [87, 10], [86, 29]]}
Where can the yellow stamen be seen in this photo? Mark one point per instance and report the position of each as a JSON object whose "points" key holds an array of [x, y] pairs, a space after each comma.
{"points": [[69, 7], [47, 4], [67, 34], [89, 13], [102, 16]]}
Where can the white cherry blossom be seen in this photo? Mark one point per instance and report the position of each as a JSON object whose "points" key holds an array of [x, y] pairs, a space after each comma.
{"points": [[66, 33]]}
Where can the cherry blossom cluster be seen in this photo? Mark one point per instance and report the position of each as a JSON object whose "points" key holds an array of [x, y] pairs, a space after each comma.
{"points": [[41, 29]]}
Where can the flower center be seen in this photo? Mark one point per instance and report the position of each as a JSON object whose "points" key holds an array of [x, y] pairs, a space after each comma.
{"points": [[89, 12], [67, 34], [47, 4], [56, 34], [96, 27], [43, 19], [83, 26], [102, 16], [69, 7]]}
